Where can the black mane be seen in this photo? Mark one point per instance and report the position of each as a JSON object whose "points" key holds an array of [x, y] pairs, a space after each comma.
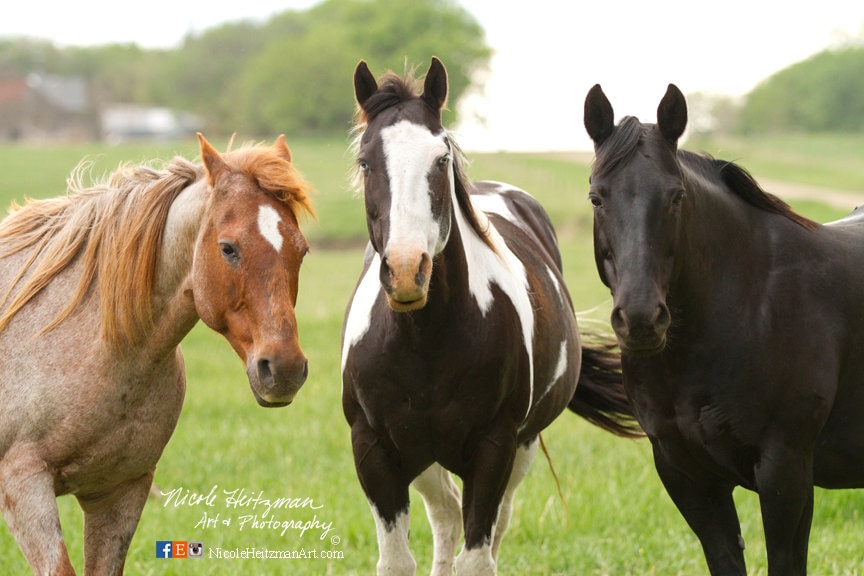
{"points": [[392, 90], [620, 147]]}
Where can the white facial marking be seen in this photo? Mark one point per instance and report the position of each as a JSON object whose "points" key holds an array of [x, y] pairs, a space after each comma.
{"points": [[411, 151], [268, 225]]}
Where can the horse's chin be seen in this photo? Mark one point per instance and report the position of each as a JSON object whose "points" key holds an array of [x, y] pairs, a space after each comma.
{"points": [[280, 403], [409, 306], [642, 348]]}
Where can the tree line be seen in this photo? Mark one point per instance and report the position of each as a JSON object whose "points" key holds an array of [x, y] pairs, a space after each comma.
{"points": [[291, 74], [824, 93]]}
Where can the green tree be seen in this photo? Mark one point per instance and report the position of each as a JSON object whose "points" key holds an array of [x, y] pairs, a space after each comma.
{"points": [[303, 81], [823, 93], [292, 74]]}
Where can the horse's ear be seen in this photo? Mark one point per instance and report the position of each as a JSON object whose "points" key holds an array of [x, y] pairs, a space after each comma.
{"points": [[599, 116], [282, 148], [435, 85], [365, 84], [213, 163], [672, 114]]}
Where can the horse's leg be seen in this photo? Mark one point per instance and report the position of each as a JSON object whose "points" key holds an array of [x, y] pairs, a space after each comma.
{"points": [[709, 509], [110, 520], [381, 480], [444, 509], [484, 486], [785, 482], [521, 465], [30, 508]]}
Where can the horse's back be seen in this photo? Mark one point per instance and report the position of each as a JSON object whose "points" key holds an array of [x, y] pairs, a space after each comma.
{"points": [[520, 208]]}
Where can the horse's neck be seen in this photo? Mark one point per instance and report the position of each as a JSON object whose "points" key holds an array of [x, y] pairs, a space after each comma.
{"points": [[174, 308], [720, 233], [472, 266]]}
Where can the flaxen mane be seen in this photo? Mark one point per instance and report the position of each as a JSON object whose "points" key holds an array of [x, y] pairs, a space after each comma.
{"points": [[113, 229], [392, 91]]}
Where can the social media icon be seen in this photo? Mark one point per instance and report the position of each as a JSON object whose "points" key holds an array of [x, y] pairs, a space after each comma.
{"points": [[164, 548], [196, 549], [179, 549]]}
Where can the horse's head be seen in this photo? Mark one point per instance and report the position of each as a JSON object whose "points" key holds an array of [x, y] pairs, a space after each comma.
{"points": [[638, 196], [247, 261], [405, 161]]}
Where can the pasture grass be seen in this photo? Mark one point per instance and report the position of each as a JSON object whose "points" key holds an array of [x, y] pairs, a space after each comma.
{"points": [[614, 518]]}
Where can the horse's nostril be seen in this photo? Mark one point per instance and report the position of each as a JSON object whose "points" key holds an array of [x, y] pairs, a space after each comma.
{"points": [[265, 373], [619, 320]]}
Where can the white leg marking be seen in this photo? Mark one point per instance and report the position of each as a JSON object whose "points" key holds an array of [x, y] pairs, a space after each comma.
{"points": [[521, 465], [268, 225], [394, 556], [476, 562], [444, 509]]}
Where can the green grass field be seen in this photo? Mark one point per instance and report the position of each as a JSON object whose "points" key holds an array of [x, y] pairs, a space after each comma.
{"points": [[615, 517]]}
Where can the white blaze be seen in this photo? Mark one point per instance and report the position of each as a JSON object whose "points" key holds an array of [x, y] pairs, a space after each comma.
{"points": [[268, 225]]}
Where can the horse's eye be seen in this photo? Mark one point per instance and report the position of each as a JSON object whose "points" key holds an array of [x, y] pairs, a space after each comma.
{"points": [[595, 200], [443, 161], [364, 166], [679, 197], [229, 252]]}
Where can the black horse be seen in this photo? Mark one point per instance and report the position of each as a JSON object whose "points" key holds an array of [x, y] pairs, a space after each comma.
{"points": [[741, 326], [460, 343]]}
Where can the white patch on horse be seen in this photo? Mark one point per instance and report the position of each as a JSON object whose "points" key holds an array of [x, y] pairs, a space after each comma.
{"points": [[411, 151], [506, 271], [394, 555], [360, 312], [268, 225], [494, 204], [561, 366]]}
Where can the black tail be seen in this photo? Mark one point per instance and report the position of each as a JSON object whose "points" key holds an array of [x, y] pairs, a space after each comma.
{"points": [[600, 396]]}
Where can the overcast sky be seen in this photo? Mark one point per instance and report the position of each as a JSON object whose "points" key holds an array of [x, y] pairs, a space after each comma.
{"points": [[545, 60]]}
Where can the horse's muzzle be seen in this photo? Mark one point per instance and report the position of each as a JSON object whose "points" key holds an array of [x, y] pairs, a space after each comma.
{"points": [[641, 329], [405, 280], [275, 383]]}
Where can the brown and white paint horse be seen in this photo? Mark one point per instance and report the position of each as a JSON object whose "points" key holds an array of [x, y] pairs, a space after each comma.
{"points": [[460, 344], [97, 289]]}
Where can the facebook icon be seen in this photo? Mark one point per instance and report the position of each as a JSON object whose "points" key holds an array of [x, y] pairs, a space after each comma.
{"points": [[163, 549]]}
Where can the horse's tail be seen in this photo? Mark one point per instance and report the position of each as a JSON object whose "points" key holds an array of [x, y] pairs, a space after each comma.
{"points": [[600, 396]]}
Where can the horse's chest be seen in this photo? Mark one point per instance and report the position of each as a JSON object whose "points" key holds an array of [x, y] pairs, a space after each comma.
{"points": [[417, 396], [692, 429]]}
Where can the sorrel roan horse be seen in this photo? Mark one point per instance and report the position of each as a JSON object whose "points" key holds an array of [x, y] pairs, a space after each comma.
{"points": [[741, 331], [98, 289], [460, 343]]}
